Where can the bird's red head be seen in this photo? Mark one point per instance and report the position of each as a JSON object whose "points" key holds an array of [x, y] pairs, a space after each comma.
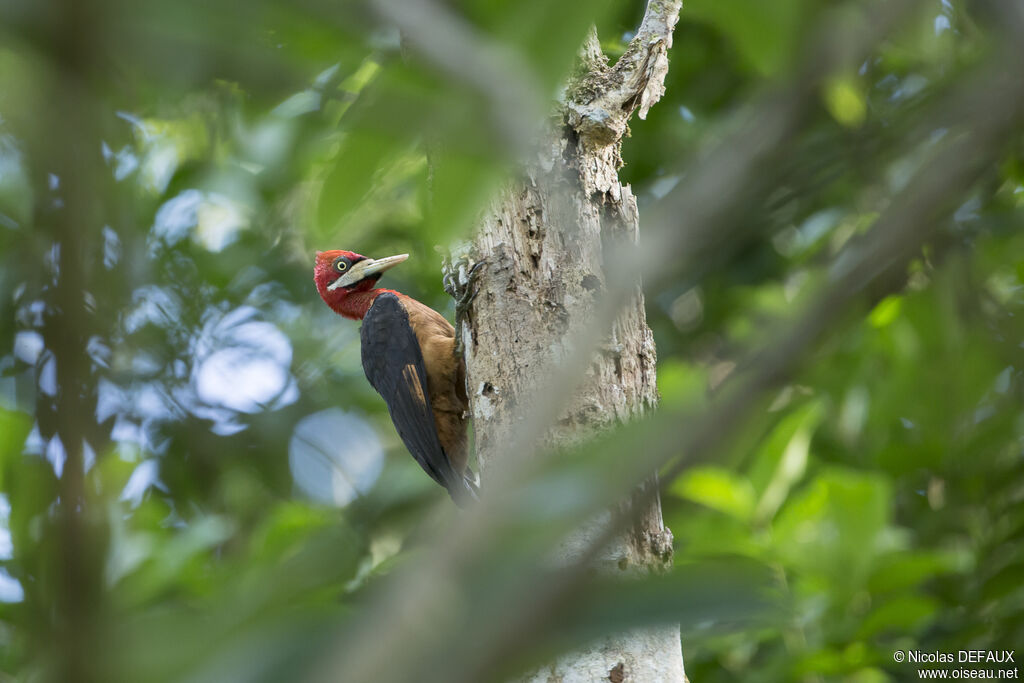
{"points": [[346, 280]]}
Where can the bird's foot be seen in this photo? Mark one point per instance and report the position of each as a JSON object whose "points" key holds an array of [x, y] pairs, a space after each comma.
{"points": [[460, 283], [467, 291]]}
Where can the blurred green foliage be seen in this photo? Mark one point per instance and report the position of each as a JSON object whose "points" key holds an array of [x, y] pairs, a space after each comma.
{"points": [[242, 491]]}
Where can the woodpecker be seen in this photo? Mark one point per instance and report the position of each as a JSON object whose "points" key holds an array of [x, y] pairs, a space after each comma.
{"points": [[409, 357]]}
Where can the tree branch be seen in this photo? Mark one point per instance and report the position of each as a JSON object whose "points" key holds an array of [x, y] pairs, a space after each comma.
{"points": [[601, 102]]}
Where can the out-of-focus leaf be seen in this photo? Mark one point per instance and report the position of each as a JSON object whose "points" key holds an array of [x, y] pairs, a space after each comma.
{"points": [[904, 615], [16, 195], [461, 184], [845, 100], [780, 462], [718, 489], [363, 156], [681, 384], [886, 311], [14, 427], [907, 570], [544, 33], [764, 33], [706, 597], [833, 528], [165, 567]]}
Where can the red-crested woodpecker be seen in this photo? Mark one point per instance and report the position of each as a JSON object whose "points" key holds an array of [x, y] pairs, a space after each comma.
{"points": [[409, 356]]}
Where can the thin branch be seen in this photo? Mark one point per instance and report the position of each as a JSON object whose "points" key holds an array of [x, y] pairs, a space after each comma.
{"points": [[645, 64], [600, 105]]}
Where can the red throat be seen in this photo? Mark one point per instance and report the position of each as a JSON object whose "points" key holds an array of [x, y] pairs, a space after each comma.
{"points": [[352, 304]]}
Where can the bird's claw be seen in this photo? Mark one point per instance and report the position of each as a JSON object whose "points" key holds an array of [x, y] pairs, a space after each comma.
{"points": [[469, 290], [460, 283]]}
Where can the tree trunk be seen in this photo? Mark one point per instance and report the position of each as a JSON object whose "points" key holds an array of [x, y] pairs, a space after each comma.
{"points": [[545, 240]]}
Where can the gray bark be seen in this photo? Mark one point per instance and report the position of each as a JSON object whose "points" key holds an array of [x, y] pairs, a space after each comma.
{"points": [[546, 240]]}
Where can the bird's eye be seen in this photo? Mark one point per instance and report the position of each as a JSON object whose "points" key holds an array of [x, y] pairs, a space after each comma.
{"points": [[341, 266]]}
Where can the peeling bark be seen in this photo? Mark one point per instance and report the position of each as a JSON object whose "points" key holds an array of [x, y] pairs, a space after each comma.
{"points": [[547, 240]]}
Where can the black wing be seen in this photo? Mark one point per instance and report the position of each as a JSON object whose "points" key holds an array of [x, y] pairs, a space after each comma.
{"points": [[393, 362]]}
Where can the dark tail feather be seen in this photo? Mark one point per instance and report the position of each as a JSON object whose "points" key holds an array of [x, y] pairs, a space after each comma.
{"points": [[472, 480], [466, 489]]}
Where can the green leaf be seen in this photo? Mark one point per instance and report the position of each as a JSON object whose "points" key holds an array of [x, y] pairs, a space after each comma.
{"points": [[362, 159], [845, 100], [681, 383], [764, 33], [700, 596], [462, 183], [906, 614], [14, 428], [718, 489], [833, 529], [885, 311], [906, 570], [780, 462]]}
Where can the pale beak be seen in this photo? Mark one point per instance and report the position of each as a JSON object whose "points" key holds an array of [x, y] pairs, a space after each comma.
{"points": [[365, 269]]}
